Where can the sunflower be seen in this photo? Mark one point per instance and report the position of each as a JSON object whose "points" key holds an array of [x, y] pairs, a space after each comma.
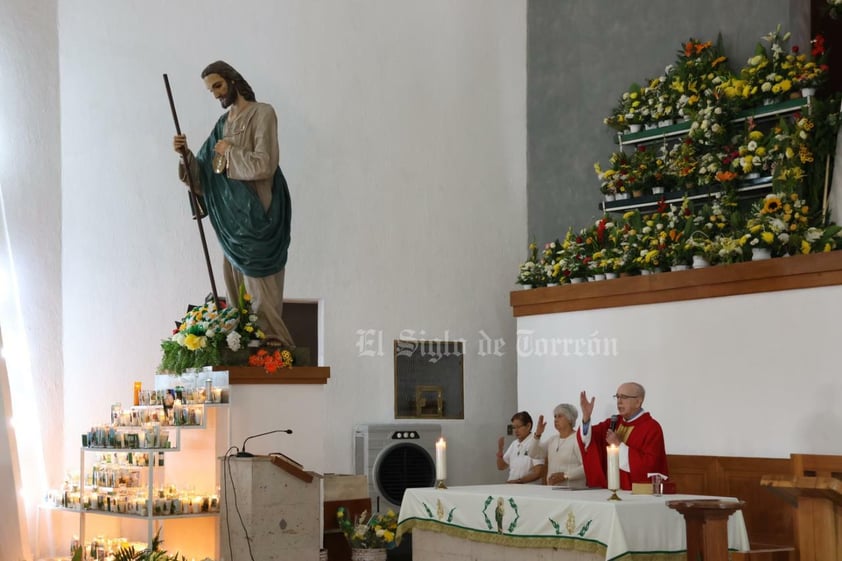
{"points": [[771, 205]]}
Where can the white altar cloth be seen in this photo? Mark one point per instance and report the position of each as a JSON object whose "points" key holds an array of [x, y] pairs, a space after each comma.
{"points": [[537, 516]]}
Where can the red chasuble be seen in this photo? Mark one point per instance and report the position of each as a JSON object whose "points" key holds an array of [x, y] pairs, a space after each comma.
{"points": [[647, 453]]}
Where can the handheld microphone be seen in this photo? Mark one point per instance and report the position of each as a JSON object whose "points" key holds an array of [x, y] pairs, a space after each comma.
{"points": [[611, 426], [243, 454]]}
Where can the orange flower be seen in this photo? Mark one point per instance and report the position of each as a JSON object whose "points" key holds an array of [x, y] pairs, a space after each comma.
{"points": [[723, 176], [271, 362]]}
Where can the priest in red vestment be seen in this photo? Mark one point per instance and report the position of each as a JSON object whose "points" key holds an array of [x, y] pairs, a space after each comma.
{"points": [[638, 435]]}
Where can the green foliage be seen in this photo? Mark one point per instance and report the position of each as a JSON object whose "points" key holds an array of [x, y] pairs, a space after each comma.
{"points": [[152, 553]]}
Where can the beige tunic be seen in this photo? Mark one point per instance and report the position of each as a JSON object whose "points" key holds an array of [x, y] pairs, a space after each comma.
{"points": [[252, 158]]}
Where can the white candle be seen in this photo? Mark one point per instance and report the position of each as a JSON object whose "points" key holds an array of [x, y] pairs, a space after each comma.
{"points": [[441, 459], [177, 413], [613, 467]]}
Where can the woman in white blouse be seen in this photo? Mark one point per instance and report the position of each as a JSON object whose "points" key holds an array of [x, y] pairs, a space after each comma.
{"points": [[522, 468], [561, 450]]}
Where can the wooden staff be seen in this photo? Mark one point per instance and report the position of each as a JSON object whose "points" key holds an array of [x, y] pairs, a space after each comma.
{"points": [[196, 207]]}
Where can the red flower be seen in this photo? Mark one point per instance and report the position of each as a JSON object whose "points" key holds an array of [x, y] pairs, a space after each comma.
{"points": [[600, 230], [795, 49], [818, 46], [270, 362]]}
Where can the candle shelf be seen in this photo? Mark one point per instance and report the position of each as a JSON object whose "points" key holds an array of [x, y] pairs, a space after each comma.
{"points": [[124, 479]]}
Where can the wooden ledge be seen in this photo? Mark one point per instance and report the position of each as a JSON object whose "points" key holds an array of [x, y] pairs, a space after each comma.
{"points": [[782, 273], [294, 375]]}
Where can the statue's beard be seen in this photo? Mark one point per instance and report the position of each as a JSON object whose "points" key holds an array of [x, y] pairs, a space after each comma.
{"points": [[231, 97]]}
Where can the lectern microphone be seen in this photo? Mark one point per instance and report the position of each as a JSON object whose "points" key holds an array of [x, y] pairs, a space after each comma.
{"points": [[242, 452]]}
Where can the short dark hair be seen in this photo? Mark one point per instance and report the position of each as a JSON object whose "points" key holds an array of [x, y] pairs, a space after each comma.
{"points": [[522, 416], [233, 77]]}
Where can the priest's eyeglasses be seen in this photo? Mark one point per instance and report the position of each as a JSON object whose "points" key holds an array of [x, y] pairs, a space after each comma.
{"points": [[624, 396]]}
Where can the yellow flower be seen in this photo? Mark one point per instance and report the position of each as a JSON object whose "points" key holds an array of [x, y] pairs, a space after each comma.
{"points": [[771, 204], [826, 247], [805, 247], [767, 237], [195, 342], [388, 536]]}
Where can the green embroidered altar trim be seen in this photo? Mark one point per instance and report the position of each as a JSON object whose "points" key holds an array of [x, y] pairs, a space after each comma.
{"points": [[561, 542]]}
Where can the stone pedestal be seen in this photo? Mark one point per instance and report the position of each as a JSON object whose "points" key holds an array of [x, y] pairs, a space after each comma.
{"points": [[280, 508]]}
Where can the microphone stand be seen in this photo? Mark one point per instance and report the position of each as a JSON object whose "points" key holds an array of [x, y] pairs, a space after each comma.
{"points": [[243, 454]]}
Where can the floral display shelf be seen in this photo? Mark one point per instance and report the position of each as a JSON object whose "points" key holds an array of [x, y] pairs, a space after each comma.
{"points": [[258, 375], [783, 273], [748, 189], [683, 127]]}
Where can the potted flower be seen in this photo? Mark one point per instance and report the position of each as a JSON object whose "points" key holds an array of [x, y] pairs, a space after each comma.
{"points": [[552, 265], [369, 537], [728, 249], [766, 69], [682, 163], [808, 72], [207, 336], [528, 273], [630, 111], [753, 156], [573, 257], [616, 181], [698, 71], [766, 233]]}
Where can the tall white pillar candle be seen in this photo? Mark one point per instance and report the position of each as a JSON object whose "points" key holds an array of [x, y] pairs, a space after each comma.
{"points": [[441, 459], [613, 467]]}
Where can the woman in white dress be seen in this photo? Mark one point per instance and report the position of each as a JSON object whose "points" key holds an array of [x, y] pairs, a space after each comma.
{"points": [[561, 450], [522, 468]]}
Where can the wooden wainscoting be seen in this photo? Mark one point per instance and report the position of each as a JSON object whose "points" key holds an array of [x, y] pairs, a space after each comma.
{"points": [[769, 518]]}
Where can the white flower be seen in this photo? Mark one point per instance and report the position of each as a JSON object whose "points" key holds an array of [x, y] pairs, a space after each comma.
{"points": [[812, 235], [777, 225], [233, 341]]}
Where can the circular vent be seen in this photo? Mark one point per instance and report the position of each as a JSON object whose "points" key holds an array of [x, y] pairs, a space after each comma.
{"points": [[402, 467]]}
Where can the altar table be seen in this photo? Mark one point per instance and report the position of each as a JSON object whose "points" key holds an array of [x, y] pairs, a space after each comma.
{"points": [[579, 524]]}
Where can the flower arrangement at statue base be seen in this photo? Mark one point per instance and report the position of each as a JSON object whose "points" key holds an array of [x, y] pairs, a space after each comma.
{"points": [[210, 336], [369, 537]]}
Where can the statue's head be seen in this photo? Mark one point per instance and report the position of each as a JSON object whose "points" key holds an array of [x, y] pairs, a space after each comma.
{"points": [[234, 83]]}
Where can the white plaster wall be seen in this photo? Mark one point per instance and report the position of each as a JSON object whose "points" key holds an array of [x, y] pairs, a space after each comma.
{"points": [[754, 375], [402, 129], [30, 271]]}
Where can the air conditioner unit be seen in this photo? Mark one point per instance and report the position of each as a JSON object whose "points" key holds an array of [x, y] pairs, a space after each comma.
{"points": [[395, 457]]}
